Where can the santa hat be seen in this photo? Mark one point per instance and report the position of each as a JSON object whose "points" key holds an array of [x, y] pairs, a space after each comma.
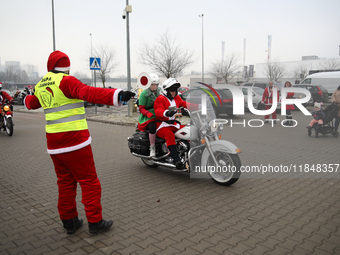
{"points": [[58, 61], [318, 105]]}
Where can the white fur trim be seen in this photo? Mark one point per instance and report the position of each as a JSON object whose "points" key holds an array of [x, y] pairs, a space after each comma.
{"points": [[116, 101], [69, 149], [25, 104], [62, 69]]}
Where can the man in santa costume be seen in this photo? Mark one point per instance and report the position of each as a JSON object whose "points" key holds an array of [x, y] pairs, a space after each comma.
{"points": [[166, 122], [267, 99], [69, 141]]}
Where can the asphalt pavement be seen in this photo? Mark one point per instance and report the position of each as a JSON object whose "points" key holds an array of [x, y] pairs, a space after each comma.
{"points": [[158, 211]]}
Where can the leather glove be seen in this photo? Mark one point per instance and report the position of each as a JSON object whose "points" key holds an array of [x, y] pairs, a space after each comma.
{"points": [[125, 96], [170, 113], [184, 112]]}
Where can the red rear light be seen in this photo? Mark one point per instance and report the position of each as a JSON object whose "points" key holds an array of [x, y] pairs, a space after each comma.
{"points": [[320, 92], [227, 100]]}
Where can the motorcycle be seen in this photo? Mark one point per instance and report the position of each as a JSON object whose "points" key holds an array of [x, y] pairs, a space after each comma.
{"points": [[6, 122], [199, 146]]}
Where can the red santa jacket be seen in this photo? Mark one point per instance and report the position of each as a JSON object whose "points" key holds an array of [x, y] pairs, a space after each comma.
{"points": [[161, 106], [72, 88], [4, 95], [290, 106], [267, 97]]}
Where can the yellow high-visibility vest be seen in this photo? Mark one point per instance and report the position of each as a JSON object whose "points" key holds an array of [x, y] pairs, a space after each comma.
{"points": [[62, 114]]}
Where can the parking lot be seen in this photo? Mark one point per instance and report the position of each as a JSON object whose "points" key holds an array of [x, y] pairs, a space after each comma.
{"points": [[158, 211]]}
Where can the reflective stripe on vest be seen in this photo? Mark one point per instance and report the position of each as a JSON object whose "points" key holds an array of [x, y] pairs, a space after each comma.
{"points": [[68, 119], [64, 107], [62, 114]]}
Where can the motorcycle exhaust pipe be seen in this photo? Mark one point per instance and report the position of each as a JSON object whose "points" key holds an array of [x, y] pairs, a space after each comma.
{"points": [[168, 165], [148, 157]]}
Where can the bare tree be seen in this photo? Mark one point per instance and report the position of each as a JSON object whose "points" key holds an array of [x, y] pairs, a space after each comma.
{"points": [[15, 74], [108, 61], [226, 69], [330, 64], [165, 56], [274, 70], [300, 72]]}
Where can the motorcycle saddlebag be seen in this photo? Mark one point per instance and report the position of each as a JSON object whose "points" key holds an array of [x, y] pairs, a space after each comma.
{"points": [[139, 143]]}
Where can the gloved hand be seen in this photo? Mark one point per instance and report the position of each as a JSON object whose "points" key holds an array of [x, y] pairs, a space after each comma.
{"points": [[149, 115], [184, 112], [124, 96], [170, 113]]}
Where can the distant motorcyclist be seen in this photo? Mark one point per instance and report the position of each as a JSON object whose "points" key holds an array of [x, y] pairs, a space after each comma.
{"points": [[146, 119], [4, 96]]}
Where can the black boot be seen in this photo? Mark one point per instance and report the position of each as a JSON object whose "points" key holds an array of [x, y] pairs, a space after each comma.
{"points": [[174, 154], [291, 123], [72, 225], [100, 226], [286, 122]]}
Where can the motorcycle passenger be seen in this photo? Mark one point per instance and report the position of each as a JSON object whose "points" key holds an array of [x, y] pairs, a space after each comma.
{"points": [[146, 119], [165, 119]]}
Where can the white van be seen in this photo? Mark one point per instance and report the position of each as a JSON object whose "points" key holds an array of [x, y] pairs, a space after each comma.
{"points": [[329, 80]]}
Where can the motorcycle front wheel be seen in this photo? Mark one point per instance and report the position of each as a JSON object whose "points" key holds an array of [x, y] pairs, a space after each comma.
{"points": [[9, 127], [149, 163], [228, 170]]}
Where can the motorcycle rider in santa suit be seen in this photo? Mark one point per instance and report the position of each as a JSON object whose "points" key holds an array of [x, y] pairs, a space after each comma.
{"points": [[4, 96], [166, 122]]}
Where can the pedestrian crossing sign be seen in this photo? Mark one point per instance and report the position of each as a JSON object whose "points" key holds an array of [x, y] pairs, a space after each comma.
{"points": [[94, 63]]}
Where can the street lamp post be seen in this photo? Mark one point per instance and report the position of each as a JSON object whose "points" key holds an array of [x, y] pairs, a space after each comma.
{"points": [[201, 16], [53, 25], [91, 57], [126, 12]]}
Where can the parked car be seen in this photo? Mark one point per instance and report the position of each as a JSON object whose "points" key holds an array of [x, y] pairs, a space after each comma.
{"points": [[256, 95], [329, 80], [319, 93], [224, 94], [261, 85]]}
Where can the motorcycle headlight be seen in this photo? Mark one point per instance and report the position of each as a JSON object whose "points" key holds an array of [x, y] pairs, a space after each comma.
{"points": [[213, 126], [6, 108], [217, 124]]}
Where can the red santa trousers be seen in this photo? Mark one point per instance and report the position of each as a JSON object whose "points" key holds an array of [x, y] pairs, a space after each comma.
{"points": [[267, 107], [72, 167], [167, 133]]}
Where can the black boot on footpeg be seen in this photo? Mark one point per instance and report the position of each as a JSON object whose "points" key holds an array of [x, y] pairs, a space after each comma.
{"points": [[100, 226]]}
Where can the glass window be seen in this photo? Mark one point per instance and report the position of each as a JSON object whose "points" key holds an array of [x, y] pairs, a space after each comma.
{"points": [[226, 93], [307, 81]]}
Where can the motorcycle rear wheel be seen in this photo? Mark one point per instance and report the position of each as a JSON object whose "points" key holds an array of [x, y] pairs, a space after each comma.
{"points": [[226, 161], [149, 163], [9, 127]]}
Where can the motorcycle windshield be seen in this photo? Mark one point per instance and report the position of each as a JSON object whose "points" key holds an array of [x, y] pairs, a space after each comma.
{"points": [[204, 99]]}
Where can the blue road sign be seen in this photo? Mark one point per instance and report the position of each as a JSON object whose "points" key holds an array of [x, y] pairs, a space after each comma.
{"points": [[95, 64]]}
